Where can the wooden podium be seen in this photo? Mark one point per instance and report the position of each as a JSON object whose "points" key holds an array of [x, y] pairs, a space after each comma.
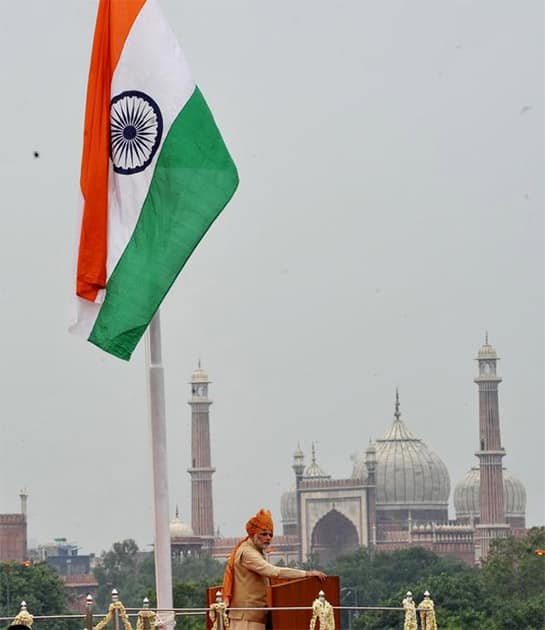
{"points": [[288, 593]]}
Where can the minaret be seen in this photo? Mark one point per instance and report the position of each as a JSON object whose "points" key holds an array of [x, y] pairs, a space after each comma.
{"points": [[492, 522], [23, 495], [299, 469], [202, 514], [371, 496]]}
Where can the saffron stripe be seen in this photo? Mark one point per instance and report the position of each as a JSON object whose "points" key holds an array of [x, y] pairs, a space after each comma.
{"points": [[115, 19]]}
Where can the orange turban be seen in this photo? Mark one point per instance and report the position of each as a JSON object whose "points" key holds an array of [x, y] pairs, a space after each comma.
{"points": [[262, 521]]}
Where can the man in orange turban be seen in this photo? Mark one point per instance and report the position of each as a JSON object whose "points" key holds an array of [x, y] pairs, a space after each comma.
{"points": [[247, 574]]}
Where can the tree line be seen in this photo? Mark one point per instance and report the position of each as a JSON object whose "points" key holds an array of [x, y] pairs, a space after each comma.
{"points": [[506, 593]]}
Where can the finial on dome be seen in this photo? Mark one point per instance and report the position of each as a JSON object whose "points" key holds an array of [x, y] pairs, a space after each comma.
{"points": [[313, 470], [486, 337], [397, 413], [199, 363], [177, 511]]}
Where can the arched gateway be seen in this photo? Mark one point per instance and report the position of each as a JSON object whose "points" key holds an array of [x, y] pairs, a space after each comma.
{"points": [[333, 535]]}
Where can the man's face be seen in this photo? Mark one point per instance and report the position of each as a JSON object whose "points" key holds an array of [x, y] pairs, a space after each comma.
{"points": [[262, 539]]}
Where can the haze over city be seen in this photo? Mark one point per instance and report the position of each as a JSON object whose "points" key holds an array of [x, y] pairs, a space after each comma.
{"points": [[389, 213]]}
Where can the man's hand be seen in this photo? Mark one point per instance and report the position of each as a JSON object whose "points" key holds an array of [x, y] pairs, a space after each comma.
{"points": [[321, 576]]}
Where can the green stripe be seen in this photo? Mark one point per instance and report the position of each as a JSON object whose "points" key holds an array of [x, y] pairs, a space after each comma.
{"points": [[193, 180]]}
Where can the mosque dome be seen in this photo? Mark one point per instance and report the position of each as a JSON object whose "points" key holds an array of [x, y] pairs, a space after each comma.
{"points": [[467, 495], [487, 351], [409, 475], [179, 529], [288, 507], [314, 470], [199, 375]]}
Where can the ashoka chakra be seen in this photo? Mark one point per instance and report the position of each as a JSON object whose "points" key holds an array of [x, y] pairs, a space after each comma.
{"points": [[136, 127]]}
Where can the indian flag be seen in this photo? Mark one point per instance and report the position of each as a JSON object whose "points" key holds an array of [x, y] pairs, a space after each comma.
{"points": [[155, 174]]}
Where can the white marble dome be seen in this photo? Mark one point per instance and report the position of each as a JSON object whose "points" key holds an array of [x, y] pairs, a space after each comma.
{"points": [[408, 473], [467, 495], [314, 470], [199, 375], [487, 351], [179, 529], [288, 506]]}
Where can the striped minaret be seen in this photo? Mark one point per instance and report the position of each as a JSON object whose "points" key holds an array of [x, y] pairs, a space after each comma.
{"points": [[202, 511], [492, 521]]}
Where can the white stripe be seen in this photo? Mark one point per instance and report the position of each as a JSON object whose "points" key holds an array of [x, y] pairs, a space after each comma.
{"points": [[86, 313], [151, 62]]}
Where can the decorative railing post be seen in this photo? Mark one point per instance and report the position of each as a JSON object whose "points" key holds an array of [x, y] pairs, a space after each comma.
{"points": [[322, 611], [219, 600], [24, 618], [218, 614], [410, 612], [89, 612], [115, 599], [146, 617], [116, 613], [427, 613]]}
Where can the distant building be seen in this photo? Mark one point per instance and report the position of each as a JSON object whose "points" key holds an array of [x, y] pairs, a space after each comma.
{"points": [[191, 540], [201, 470], [13, 533], [405, 489], [396, 497], [75, 570], [183, 541], [467, 500], [64, 556], [408, 488]]}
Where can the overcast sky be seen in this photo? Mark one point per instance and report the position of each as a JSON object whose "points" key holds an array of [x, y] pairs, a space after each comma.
{"points": [[390, 210]]}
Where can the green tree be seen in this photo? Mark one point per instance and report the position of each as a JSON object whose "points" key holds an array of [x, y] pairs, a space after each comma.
{"points": [[127, 570], [376, 578], [514, 581], [194, 568], [513, 568], [506, 593], [192, 577], [39, 585]]}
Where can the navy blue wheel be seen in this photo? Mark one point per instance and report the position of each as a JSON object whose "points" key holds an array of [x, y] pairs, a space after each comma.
{"points": [[136, 128]]}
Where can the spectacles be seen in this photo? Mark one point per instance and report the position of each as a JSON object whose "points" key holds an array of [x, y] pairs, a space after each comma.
{"points": [[269, 534]]}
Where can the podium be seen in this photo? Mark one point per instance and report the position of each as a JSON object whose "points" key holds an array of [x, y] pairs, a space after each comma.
{"points": [[297, 593]]}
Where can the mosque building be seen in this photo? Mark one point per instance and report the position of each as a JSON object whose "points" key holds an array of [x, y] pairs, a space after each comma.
{"points": [[396, 497]]}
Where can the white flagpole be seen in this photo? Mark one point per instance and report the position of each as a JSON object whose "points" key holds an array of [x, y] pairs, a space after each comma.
{"points": [[156, 390]]}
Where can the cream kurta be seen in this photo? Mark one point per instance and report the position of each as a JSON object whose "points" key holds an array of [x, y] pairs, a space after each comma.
{"points": [[251, 579]]}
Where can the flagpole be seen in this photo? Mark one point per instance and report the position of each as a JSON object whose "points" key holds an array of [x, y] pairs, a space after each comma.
{"points": [[156, 390]]}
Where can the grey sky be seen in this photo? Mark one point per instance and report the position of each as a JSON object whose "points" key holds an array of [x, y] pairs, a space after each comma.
{"points": [[390, 210]]}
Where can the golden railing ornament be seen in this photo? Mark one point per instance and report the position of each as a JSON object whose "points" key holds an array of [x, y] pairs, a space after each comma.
{"points": [[116, 608], [24, 618], [218, 613], [410, 612], [427, 613], [322, 611], [146, 617]]}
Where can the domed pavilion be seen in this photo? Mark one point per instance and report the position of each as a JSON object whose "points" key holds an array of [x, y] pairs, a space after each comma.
{"points": [[412, 482], [183, 542], [467, 496]]}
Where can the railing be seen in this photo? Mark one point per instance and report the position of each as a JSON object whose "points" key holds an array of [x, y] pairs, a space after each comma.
{"points": [[321, 615]]}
